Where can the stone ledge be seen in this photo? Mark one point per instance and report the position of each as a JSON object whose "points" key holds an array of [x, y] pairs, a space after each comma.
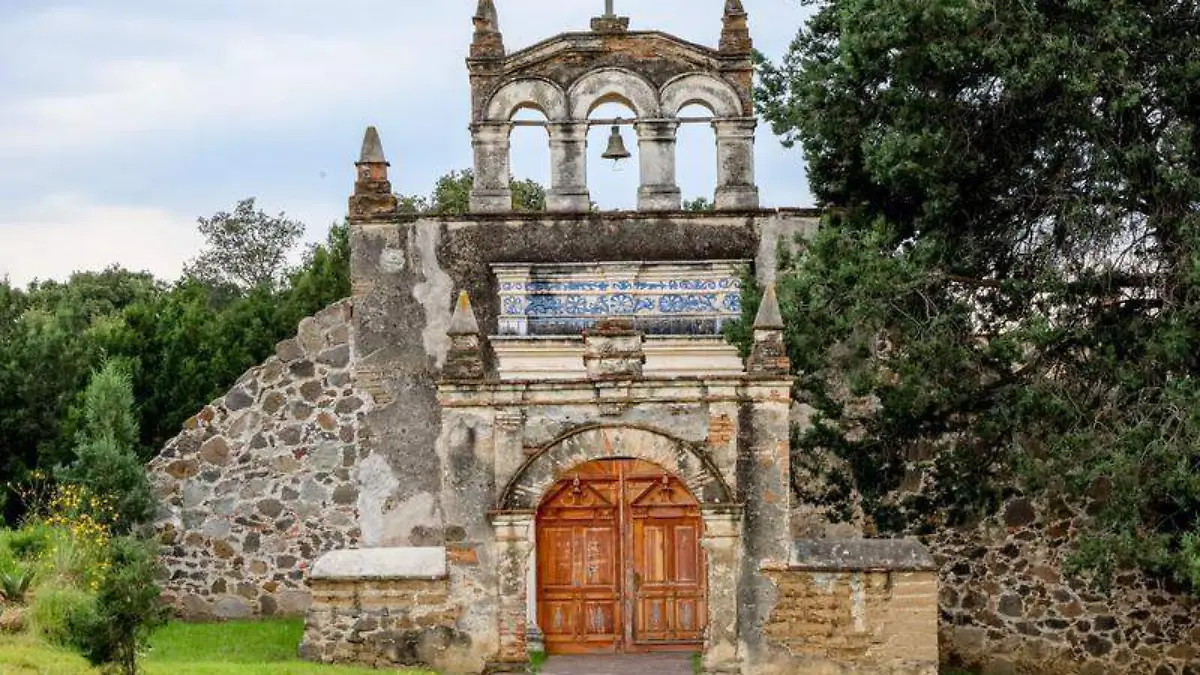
{"points": [[861, 555], [381, 564]]}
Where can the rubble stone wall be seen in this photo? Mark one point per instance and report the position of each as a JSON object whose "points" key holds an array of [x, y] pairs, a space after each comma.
{"points": [[1010, 606], [381, 623], [263, 481], [874, 622]]}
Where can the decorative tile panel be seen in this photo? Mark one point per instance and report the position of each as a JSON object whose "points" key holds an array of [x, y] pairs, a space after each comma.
{"points": [[689, 298]]}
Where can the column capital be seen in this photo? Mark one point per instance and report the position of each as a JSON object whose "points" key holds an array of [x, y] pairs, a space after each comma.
{"points": [[736, 127], [657, 130], [573, 130]]}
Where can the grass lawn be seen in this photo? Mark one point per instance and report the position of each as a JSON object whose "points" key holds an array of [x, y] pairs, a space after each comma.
{"points": [[236, 648]]}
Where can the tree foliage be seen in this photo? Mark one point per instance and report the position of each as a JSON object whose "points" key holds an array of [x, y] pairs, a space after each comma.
{"points": [[245, 248], [127, 608], [183, 345], [452, 196], [107, 460], [1007, 295]]}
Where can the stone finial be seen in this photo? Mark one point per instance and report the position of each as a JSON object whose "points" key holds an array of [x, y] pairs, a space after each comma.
{"points": [[488, 42], [463, 322], [372, 148], [769, 316], [614, 350], [735, 35], [768, 356], [373, 189], [465, 360]]}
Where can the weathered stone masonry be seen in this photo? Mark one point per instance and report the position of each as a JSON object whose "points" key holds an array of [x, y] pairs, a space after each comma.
{"points": [[266, 479], [385, 470]]}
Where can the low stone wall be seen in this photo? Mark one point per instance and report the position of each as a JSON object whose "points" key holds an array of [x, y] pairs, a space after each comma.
{"points": [[1009, 606], [384, 608], [856, 607], [264, 481]]}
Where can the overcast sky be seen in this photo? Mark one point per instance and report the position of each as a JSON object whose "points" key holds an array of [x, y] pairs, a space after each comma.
{"points": [[122, 121]]}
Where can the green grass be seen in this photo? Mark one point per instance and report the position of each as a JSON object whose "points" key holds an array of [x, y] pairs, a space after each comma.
{"points": [[536, 661], [236, 648]]}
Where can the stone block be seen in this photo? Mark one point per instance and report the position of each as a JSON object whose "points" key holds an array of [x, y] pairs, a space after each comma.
{"points": [[381, 563]]}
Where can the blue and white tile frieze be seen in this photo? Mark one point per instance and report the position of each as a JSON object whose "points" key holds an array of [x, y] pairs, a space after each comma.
{"points": [[564, 296]]}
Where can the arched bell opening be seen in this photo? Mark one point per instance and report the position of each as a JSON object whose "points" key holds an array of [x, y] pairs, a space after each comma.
{"points": [[696, 149], [619, 563], [530, 153], [613, 182]]}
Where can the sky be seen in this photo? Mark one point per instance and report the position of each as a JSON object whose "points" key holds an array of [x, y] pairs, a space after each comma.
{"points": [[123, 121]]}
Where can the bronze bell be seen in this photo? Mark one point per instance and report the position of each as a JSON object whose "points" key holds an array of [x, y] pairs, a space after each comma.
{"points": [[616, 146]]}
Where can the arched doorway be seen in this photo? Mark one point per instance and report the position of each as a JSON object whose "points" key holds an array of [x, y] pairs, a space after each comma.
{"points": [[620, 568]]}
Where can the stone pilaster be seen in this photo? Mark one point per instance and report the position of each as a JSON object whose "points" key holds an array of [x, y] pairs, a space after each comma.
{"points": [[514, 544], [491, 192], [509, 445], [736, 189], [656, 147], [722, 543], [764, 486], [372, 189], [568, 168]]}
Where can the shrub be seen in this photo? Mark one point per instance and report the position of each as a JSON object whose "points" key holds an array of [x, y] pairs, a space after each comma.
{"points": [[28, 543], [14, 584], [59, 612], [127, 608], [107, 455]]}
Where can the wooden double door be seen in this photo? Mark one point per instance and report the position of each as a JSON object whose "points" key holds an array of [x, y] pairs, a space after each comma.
{"points": [[620, 566]]}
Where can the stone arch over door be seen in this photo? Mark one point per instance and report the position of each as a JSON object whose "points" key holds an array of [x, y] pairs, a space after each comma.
{"points": [[589, 444]]}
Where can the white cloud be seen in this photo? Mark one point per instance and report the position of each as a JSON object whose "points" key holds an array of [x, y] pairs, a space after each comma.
{"points": [[65, 233], [122, 120], [215, 76]]}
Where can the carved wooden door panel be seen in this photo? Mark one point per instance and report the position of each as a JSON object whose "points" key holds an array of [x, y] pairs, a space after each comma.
{"points": [[620, 568], [579, 598], [667, 590]]}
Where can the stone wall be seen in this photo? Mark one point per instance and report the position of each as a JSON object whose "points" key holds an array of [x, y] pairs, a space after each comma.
{"points": [[1009, 606], [265, 480], [855, 607], [383, 608], [871, 621]]}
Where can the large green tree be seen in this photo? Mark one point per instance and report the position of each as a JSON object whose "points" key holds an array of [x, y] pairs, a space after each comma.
{"points": [[1007, 291], [245, 247]]}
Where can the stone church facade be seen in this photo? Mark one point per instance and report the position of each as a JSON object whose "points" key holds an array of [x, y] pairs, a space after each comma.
{"points": [[527, 431]]}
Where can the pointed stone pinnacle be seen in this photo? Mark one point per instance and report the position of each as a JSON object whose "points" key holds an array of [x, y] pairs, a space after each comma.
{"points": [[769, 316], [487, 19], [734, 7], [372, 148], [463, 322]]}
